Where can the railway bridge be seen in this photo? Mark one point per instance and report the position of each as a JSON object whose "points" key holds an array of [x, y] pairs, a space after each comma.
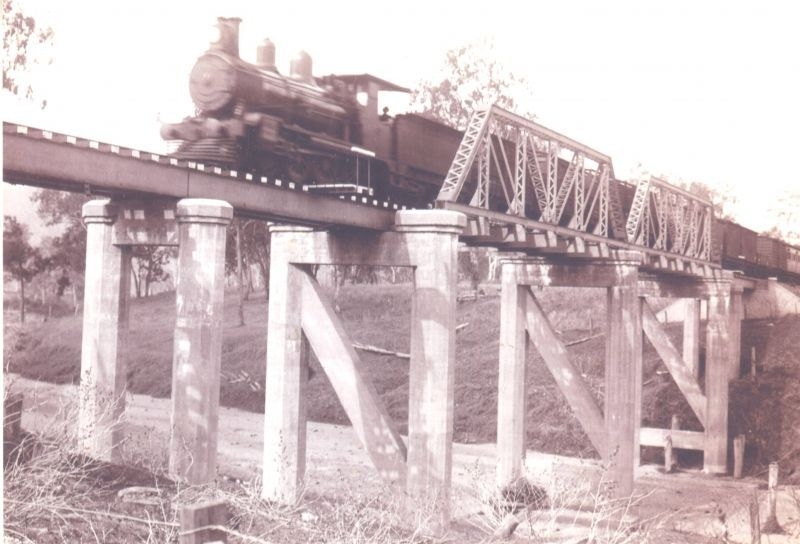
{"points": [[661, 249]]}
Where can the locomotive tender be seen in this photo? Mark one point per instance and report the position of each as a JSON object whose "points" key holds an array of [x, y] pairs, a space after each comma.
{"points": [[327, 133]]}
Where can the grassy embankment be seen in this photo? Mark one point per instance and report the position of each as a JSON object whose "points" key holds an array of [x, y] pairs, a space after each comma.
{"points": [[374, 315]]}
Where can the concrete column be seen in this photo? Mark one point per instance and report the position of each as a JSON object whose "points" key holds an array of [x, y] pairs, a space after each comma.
{"points": [[199, 292], [432, 241], [623, 384], [105, 329], [511, 382], [287, 373], [718, 339], [737, 309], [691, 335]]}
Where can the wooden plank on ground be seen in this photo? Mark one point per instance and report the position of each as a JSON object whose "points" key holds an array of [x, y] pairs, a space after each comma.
{"points": [[674, 362], [566, 375], [685, 440], [350, 381]]}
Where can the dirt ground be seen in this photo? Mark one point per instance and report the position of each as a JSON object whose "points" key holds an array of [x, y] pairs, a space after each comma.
{"points": [[683, 507]]}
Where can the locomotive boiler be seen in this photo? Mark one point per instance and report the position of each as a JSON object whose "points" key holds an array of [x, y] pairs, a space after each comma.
{"points": [[321, 132]]}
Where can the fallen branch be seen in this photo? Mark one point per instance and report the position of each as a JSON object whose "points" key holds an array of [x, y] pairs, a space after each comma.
{"points": [[382, 351], [582, 340]]}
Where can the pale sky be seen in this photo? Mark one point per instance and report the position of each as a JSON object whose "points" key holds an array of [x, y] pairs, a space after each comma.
{"points": [[704, 91]]}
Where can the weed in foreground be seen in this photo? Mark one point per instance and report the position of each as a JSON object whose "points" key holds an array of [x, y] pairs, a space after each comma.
{"points": [[549, 507]]}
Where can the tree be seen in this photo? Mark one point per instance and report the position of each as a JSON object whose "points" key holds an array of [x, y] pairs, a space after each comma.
{"points": [[68, 249], [786, 212], [22, 39], [471, 77], [723, 200], [247, 247], [20, 260], [148, 266]]}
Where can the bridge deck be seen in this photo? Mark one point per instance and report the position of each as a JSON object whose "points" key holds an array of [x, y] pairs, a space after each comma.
{"points": [[45, 159]]}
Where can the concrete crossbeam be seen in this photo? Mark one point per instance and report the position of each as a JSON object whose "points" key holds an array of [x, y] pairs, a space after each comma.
{"points": [[200, 283], [105, 330]]}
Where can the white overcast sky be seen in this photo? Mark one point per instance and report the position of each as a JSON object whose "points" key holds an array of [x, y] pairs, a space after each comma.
{"points": [[706, 91]]}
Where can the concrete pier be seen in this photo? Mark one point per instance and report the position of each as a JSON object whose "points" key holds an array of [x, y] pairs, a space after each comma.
{"points": [[511, 385], [198, 338], [718, 364], [105, 329], [613, 433], [431, 239], [286, 376], [623, 376], [426, 241]]}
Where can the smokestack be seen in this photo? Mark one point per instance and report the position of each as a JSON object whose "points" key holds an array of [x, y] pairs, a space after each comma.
{"points": [[228, 37]]}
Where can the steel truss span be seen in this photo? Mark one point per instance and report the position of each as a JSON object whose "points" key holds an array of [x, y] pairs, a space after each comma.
{"points": [[529, 187]]}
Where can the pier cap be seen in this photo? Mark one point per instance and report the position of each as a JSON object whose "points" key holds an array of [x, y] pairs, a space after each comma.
{"points": [[203, 210], [430, 221]]}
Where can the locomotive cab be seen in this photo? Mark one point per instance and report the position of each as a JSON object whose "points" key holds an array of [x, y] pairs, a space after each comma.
{"points": [[366, 90]]}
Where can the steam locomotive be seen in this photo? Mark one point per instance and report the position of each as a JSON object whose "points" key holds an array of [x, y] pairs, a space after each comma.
{"points": [[327, 133], [322, 132]]}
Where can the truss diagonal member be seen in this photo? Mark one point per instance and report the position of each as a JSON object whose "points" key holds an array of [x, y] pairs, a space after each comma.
{"points": [[518, 199], [678, 224], [662, 203], [694, 229], [481, 197], [535, 174], [636, 218], [465, 156], [504, 171], [614, 216], [552, 181], [708, 221], [571, 177]]}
